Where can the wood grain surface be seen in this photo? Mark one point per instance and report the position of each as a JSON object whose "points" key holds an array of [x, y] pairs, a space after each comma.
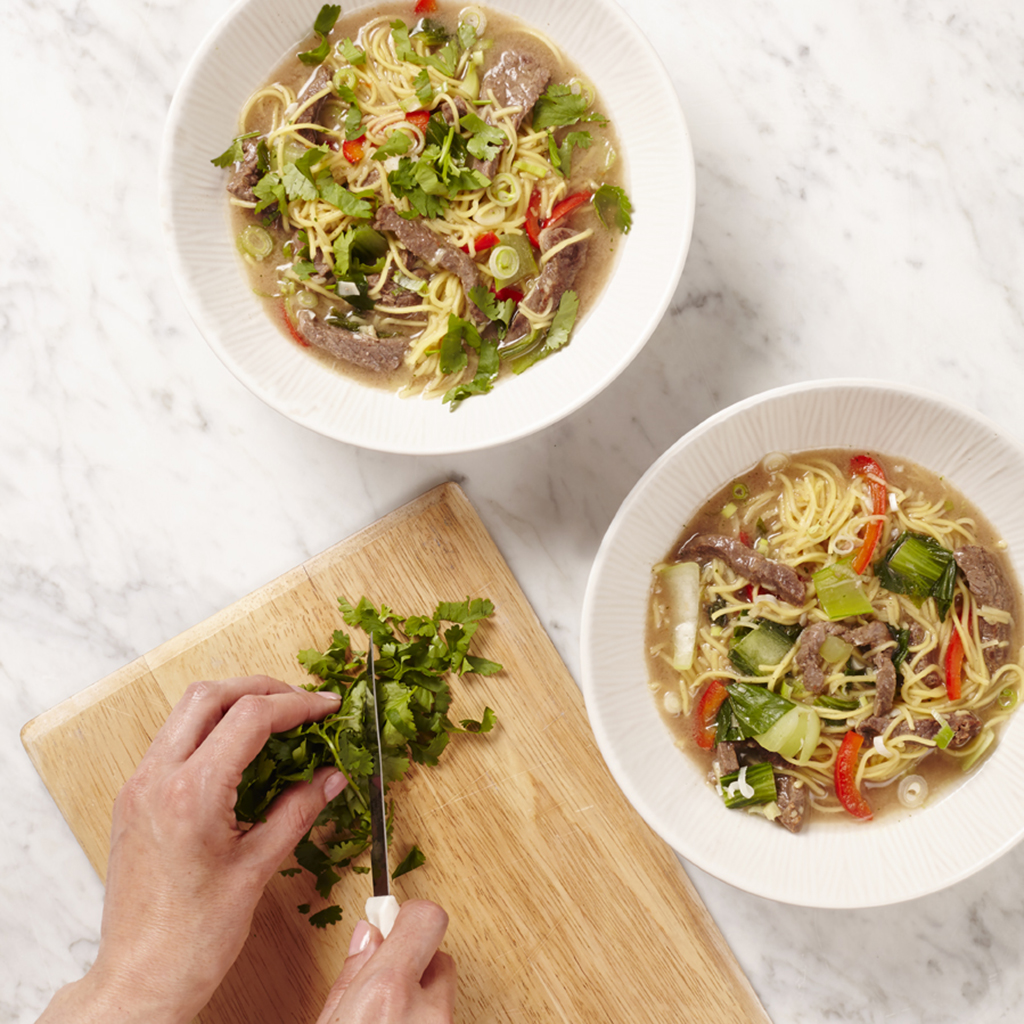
{"points": [[564, 906]]}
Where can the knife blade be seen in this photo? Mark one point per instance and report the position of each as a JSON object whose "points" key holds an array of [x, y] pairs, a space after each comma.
{"points": [[381, 907]]}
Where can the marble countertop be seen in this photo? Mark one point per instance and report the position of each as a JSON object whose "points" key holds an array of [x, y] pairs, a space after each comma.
{"points": [[860, 183]]}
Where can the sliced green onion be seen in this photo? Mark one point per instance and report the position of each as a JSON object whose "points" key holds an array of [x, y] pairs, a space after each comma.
{"points": [[526, 167], [1007, 698], [943, 736], [504, 263], [841, 591], [740, 491], [752, 784], [504, 189], [305, 299], [256, 242], [728, 511], [413, 284], [912, 791]]}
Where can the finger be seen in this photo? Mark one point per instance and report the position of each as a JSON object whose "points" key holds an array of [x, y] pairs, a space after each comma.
{"points": [[414, 939], [239, 736], [439, 983], [290, 817], [203, 705], [365, 942]]}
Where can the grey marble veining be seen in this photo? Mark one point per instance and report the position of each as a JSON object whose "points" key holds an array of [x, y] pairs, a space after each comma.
{"points": [[860, 202]]}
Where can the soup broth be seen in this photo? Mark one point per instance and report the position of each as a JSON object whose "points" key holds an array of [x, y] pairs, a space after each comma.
{"points": [[780, 649], [374, 193]]}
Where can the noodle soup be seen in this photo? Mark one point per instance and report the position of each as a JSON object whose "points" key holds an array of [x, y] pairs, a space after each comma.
{"points": [[427, 204], [835, 633]]}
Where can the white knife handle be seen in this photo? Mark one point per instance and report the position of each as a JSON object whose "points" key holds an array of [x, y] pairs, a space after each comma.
{"points": [[381, 912]]}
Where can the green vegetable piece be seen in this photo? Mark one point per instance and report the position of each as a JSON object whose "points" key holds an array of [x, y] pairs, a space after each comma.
{"points": [[352, 53], [559, 105], [412, 860], [752, 784], [325, 21], [763, 647], [920, 567], [841, 591], [614, 206], [836, 703], [235, 152], [756, 708]]}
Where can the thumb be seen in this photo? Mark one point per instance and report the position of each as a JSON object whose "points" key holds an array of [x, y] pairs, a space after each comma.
{"points": [[364, 943]]}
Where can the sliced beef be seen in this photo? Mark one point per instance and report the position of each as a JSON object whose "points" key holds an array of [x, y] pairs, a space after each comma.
{"points": [[885, 683], [965, 725], [873, 726], [989, 587], [316, 84], [517, 80], [378, 354], [750, 564], [791, 796], [925, 728], [429, 246], [554, 280], [245, 173], [725, 755], [871, 634], [808, 656]]}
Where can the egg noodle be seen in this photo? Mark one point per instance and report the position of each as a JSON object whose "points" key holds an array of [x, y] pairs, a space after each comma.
{"points": [[385, 88], [810, 515]]}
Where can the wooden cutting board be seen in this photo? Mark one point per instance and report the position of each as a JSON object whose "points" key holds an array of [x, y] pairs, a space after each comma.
{"points": [[564, 906]]}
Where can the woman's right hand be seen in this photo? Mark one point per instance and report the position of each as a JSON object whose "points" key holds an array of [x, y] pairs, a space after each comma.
{"points": [[403, 979]]}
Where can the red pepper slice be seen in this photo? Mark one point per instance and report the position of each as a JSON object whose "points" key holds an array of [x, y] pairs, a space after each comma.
{"points": [[292, 329], [418, 118], [954, 664], [711, 700], [866, 467], [509, 293], [485, 241], [846, 777], [567, 205], [352, 149], [425, 7], [532, 224]]}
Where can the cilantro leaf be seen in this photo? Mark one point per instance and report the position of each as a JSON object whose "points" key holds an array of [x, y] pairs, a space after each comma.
{"points": [[296, 184], [268, 191], [325, 917], [487, 302], [412, 860], [557, 336], [398, 142], [559, 105], [354, 123], [325, 21], [561, 156], [352, 53], [424, 89], [340, 197], [488, 361], [487, 141], [612, 203], [235, 152]]}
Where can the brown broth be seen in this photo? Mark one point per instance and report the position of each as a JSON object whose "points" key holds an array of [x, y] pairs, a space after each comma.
{"points": [[943, 774]]}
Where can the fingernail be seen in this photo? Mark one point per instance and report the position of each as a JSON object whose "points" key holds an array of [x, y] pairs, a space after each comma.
{"points": [[360, 938], [329, 694], [334, 785]]}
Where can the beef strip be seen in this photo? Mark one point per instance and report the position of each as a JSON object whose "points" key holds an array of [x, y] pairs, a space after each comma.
{"points": [[245, 173], [517, 80], [748, 563], [808, 657], [429, 246], [378, 354], [791, 796], [965, 725], [873, 726], [725, 755], [989, 587], [554, 280], [316, 84], [871, 634]]}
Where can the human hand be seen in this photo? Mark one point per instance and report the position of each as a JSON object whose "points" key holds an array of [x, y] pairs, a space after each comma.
{"points": [[403, 979], [183, 878]]}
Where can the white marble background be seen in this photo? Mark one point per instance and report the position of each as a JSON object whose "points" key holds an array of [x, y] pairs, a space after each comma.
{"points": [[860, 175]]}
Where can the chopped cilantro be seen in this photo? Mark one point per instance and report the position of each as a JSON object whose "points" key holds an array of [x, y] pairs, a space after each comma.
{"points": [[234, 153], [412, 860], [296, 184], [268, 191], [454, 359], [486, 141], [561, 156], [352, 53], [559, 105], [322, 27], [415, 657], [612, 203], [424, 89], [398, 142], [338, 196], [497, 312], [557, 336], [354, 123]]}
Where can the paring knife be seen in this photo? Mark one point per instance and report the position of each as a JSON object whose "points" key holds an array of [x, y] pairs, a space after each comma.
{"points": [[381, 907]]}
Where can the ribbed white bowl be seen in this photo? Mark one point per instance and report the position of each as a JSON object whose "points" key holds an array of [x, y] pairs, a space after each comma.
{"points": [[238, 55], [833, 863]]}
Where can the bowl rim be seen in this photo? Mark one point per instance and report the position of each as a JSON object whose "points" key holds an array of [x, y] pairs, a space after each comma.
{"points": [[373, 425], [802, 886]]}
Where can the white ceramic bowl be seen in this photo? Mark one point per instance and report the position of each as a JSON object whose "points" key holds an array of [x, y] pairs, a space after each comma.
{"points": [[832, 863], [239, 54]]}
